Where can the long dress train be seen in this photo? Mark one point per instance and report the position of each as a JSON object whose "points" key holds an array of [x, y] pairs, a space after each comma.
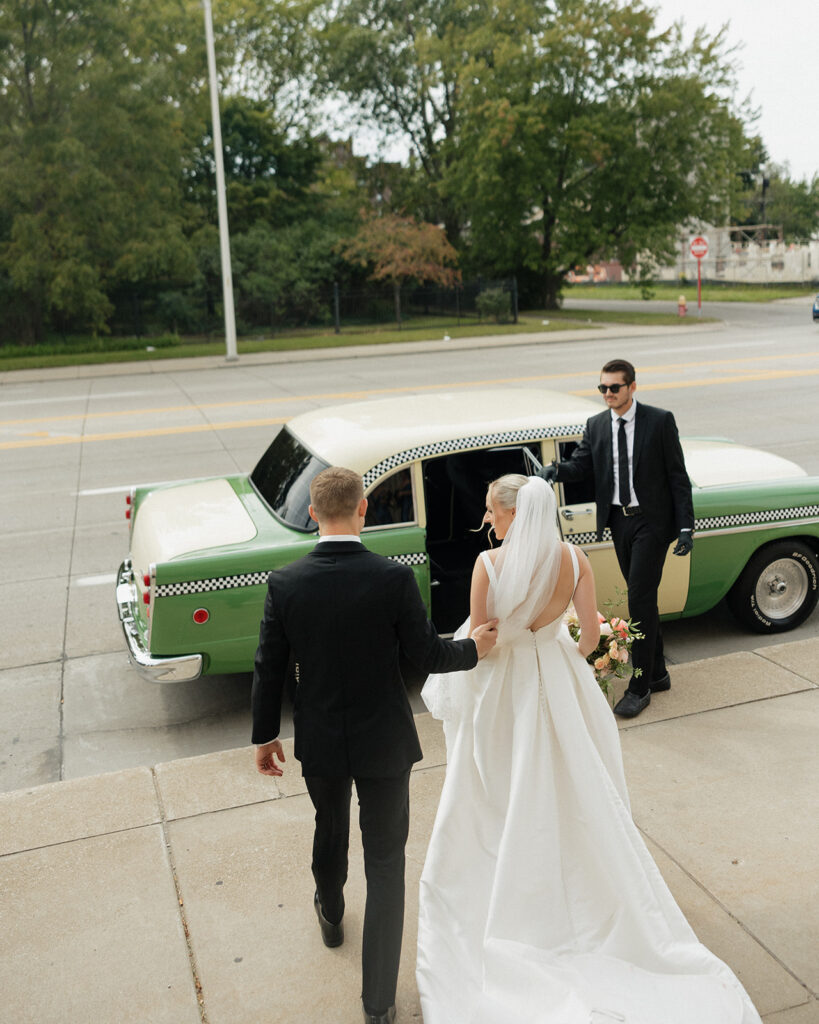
{"points": [[539, 901]]}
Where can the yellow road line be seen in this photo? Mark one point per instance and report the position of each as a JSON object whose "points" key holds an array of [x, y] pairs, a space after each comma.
{"points": [[45, 441], [710, 381], [371, 392], [124, 435]]}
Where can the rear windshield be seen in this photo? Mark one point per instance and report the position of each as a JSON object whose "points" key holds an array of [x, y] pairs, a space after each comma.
{"points": [[282, 477]]}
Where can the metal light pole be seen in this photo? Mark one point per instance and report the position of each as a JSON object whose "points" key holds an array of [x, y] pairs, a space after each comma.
{"points": [[221, 202]]}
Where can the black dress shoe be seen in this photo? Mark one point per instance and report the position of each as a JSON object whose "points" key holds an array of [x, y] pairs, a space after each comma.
{"points": [[631, 704], [387, 1017], [661, 684], [331, 934]]}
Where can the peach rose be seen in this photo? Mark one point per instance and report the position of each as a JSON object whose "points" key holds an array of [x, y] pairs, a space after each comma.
{"points": [[602, 663]]}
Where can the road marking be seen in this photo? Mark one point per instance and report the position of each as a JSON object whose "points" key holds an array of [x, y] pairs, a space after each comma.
{"points": [[371, 392], [62, 439], [194, 428], [96, 491], [95, 581]]}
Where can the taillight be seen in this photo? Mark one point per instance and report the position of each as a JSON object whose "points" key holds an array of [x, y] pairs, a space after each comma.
{"points": [[201, 616], [146, 597], [146, 580]]}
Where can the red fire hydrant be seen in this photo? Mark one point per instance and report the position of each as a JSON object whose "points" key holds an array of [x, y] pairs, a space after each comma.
{"points": [[682, 309]]}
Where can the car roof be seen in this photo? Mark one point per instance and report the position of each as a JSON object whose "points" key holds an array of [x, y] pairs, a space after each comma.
{"points": [[397, 430]]}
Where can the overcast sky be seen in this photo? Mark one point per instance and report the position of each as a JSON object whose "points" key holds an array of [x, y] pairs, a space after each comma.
{"points": [[779, 67]]}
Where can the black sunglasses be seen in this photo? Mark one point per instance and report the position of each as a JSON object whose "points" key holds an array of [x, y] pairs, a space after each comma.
{"points": [[613, 388]]}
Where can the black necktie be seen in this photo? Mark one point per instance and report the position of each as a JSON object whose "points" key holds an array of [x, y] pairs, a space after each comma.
{"points": [[622, 464]]}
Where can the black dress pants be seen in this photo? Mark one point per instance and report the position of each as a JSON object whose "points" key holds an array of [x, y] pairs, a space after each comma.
{"points": [[384, 822], [641, 555]]}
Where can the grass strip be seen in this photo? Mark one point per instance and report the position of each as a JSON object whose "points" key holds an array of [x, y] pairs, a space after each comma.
{"points": [[671, 292], [79, 351]]}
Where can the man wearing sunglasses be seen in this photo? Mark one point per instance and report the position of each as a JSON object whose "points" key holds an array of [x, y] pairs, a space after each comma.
{"points": [[632, 452]]}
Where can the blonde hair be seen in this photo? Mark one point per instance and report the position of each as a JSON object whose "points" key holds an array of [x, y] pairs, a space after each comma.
{"points": [[504, 490], [335, 493]]}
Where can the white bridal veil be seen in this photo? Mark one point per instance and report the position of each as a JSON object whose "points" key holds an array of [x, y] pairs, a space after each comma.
{"points": [[528, 562]]}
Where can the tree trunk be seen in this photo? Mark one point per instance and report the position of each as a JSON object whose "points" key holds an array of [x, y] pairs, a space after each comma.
{"points": [[396, 290], [552, 284]]}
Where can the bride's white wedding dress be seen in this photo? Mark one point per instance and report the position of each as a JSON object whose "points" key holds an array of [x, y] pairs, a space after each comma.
{"points": [[539, 902]]}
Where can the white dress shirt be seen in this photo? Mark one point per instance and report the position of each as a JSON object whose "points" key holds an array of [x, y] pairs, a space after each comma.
{"points": [[615, 452]]}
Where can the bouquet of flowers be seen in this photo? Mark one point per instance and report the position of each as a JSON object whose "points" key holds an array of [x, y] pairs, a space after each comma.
{"points": [[610, 657]]}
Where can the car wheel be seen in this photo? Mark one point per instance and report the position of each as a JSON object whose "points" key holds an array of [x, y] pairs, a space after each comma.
{"points": [[778, 588]]}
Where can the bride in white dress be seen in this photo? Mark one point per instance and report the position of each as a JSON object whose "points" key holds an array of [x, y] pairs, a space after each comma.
{"points": [[539, 902]]}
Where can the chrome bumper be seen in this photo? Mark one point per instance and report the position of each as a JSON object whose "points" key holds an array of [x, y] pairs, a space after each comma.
{"points": [[179, 669]]}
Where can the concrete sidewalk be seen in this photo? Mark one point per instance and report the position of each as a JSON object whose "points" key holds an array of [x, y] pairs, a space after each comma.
{"points": [[183, 893]]}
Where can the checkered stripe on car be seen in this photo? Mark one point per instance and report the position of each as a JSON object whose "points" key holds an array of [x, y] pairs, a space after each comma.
{"points": [[749, 518], [416, 558], [463, 443], [587, 538], [253, 579], [244, 579]]}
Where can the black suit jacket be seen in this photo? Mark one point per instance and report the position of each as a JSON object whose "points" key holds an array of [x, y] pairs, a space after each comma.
{"points": [[347, 617], [661, 482]]}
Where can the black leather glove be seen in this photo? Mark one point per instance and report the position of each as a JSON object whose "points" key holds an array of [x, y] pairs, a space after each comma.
{"points": [[684, 544], [548, 473]]}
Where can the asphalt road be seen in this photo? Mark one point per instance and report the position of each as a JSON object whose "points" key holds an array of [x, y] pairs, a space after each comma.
{"points": [[70, 447]]}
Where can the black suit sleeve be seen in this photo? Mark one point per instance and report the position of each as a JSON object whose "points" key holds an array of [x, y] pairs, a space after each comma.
{"points": [[678, 481], [420, 643], [269, 674], [581, 464]]}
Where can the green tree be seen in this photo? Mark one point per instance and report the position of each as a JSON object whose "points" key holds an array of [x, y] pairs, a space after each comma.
{"points": [[551, 132], [270, 173], [90, 151], [769, 196], [586, 133], [397, 63]]}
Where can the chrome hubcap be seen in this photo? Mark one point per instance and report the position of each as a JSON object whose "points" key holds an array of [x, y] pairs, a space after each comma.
{"points": [[781, 589]]}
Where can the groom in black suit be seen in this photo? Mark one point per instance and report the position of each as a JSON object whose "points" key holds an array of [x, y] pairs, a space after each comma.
{"points": [[643, 494], [349, 619]]}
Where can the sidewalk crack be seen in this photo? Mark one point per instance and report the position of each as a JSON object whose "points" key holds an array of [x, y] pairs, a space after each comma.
{"points": [[163, 823]]}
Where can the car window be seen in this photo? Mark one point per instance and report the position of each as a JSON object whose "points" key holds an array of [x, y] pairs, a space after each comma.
{"points": [[391, 502], [282, 479]]}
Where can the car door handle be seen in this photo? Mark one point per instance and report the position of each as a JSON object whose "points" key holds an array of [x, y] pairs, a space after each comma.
{"points": [[568, 513]]}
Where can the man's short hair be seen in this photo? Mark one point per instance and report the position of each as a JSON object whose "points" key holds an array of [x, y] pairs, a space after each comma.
{"points": [[620, 366], [335, 493]]}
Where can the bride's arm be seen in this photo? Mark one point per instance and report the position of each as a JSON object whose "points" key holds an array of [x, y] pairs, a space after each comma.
{"points": [[478, 594], [585, 604]]}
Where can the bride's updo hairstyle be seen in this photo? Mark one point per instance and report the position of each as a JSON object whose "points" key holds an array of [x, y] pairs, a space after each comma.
{"points": [[528, 562], [504, 490]]}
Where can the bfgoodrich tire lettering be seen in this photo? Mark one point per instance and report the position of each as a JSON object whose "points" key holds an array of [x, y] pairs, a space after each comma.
{"points": [[778, 588]]}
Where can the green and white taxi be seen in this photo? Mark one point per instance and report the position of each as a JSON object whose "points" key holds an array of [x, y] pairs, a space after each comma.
{"points": [[191, 593]]}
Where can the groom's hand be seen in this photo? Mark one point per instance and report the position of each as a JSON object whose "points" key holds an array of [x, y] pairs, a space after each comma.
{"points": [[265, 753], [548, 473], [485, 637], [684, 544]]}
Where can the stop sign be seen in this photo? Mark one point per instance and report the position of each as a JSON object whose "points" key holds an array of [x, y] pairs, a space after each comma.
{"points": [[699, 247]]}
